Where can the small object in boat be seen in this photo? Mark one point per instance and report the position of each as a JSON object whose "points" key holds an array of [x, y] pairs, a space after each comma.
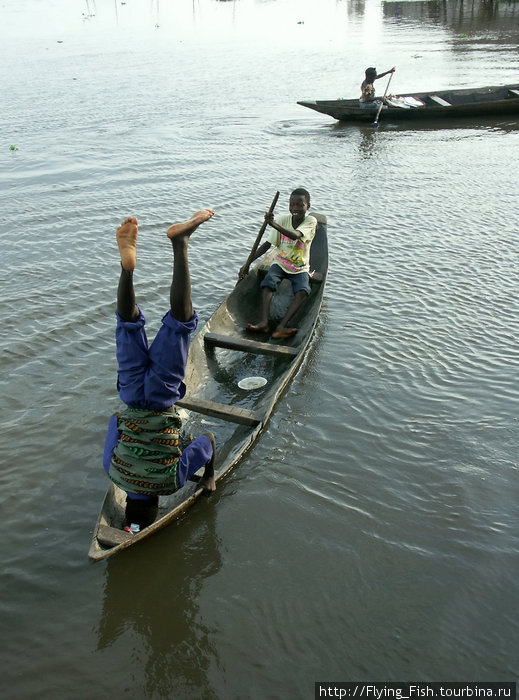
{"points": [[134, 528], [250, 383]]}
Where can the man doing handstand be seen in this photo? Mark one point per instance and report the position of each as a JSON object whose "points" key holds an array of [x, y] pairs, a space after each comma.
{"points": [[142, 454]]}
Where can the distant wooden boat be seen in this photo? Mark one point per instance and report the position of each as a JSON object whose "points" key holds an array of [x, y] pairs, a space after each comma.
{"points": [[222, 354], [444, 104]]}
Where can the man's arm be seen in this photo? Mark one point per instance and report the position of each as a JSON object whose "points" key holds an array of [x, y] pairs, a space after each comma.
{"points": [[307, 229], [381, 75], [293, 235], [111, 440]]}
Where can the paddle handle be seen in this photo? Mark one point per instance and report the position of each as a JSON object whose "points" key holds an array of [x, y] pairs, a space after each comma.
{"points": [[382, 103], [262, 231]]}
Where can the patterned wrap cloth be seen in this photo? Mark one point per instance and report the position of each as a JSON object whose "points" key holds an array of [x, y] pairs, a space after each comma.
{"points": [[145, 459]]}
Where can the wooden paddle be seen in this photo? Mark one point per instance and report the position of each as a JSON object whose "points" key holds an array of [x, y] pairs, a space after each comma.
{"points": [[375, 123], [260, 234]]}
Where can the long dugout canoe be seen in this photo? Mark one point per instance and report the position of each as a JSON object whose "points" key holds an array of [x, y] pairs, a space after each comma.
{"points": [[441, 104]]}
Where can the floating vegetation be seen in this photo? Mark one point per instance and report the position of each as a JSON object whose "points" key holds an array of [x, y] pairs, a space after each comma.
{"points": [[13, 148]]}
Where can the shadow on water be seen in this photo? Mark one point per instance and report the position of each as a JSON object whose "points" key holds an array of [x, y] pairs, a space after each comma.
{"points": [[343, 129], [366, 135], [368, 132], [157, 603]]}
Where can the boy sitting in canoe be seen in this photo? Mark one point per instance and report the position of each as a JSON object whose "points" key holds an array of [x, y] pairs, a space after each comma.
{"points": [[367, 89], [141, 452], [292, 235]]}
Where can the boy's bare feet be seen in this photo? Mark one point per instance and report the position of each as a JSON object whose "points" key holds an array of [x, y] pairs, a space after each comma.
{"points": [[258, 328], [186, 228], [208, 483], [127, 241], [284, 333]]}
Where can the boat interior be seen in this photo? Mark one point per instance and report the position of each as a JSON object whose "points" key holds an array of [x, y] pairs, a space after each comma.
{"points": [[448, 98]]}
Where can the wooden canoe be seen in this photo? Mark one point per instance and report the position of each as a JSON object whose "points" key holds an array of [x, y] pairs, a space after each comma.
{"points": [[444, 104], [221, 354]]}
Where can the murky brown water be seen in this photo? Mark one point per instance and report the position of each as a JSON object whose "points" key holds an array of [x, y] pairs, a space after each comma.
{"points": [[372, 534]]}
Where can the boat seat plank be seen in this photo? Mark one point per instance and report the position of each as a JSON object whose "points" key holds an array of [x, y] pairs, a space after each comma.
{"points": [[440, 101], [233, 414], [245, 345], [111, 536], [514, 92], [317, 277]]}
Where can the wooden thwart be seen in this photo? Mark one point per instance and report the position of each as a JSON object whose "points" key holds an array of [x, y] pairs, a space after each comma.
{"points": [[245, 345], [111, 536], [233, 414], [440, 101]]}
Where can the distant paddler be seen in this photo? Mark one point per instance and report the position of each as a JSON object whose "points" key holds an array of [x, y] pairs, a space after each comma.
{"points": [[367, 89], [292, 235]]}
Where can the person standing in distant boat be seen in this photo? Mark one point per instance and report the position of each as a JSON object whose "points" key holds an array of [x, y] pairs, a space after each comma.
{"points": [[142, 454], [292, 235], [367, 89]]}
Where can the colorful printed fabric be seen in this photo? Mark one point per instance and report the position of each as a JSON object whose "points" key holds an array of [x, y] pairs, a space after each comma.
{"points": [[145, 460], [367, 92]]}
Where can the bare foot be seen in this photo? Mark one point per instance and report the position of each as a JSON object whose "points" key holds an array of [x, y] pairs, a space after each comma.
{"points": [[258, 328], [208, 483], [127, 241], [186, 228], [284, 333]]}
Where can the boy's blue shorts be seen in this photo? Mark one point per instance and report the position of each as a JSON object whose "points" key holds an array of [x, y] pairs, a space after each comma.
{"points": [[300, 280]]}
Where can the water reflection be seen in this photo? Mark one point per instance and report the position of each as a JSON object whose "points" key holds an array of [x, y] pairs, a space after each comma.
{"points": [[158, 602], [366, 141], [367, 133], [356, 8], [460, 16], [90, 9]]}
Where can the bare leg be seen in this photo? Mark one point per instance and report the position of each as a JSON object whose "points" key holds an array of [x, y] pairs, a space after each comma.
{"points": [[127, 241], [263, 324], [282, 331], [207, 482], [180, 292], [181, 304]]}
